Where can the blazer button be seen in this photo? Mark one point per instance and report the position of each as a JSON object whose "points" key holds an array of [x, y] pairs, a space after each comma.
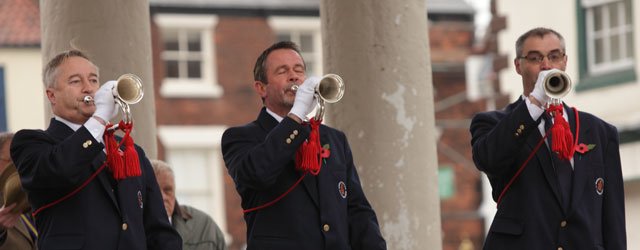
{"points": [[292, 136], [326, 227], [559, 248], [86, 144], [288, 140], [295, 132], [124, 226], [563, 223], [521, 126]]}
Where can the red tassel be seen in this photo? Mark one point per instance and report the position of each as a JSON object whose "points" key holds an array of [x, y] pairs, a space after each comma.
{"points": [[562, 138], [121, 164], [308, 157], [130, 154]]}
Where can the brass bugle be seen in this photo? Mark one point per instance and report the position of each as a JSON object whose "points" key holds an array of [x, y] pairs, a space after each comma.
{"points": [[330, 89], [557, 84], [128, 89]]}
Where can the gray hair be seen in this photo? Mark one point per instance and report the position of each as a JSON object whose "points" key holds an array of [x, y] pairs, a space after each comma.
{"points": [[161, 166], [539, 32], [50, 72]]}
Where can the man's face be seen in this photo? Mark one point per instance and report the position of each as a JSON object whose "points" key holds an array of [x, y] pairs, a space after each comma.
{"points": [[76, 78], [168, 188], [283, 67], [549, 47]]}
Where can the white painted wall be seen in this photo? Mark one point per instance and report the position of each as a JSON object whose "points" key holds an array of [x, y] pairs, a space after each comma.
{"points": [[24, 90]]}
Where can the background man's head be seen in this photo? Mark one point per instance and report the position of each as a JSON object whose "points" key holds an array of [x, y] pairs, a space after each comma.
{"points": [[166, 181]]}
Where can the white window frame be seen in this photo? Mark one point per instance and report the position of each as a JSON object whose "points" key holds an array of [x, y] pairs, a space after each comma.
{"points": [[207, 86], [199, 138], [623, 30], [297, 25]]}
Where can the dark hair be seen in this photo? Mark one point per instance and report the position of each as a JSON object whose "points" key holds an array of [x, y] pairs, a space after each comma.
{"points": [[50, 71], [259, 70], [539, 32]]}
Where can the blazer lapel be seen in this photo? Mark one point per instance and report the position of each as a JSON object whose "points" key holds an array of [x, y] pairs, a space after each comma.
{"points": [[104, 179], [580, 166], [544, 158]]}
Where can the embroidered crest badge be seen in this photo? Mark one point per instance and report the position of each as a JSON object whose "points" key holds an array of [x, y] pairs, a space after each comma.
{"points": [[140, 202], [599, 186], [342, 188]]}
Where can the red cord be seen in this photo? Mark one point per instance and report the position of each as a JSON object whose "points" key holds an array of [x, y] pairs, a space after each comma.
{"points": [[93, 176], [515, 176], [276, 199]]}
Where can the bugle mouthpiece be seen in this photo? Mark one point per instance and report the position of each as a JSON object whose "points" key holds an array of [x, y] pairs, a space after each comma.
{"points": [[294, 88], [87, 99]]}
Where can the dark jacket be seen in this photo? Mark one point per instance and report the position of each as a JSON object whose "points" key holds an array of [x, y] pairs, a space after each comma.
{"points": [[106, 214], [531, 214], [327, 211]]}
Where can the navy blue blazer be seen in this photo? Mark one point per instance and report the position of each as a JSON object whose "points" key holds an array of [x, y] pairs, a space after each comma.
{"points": [[106, 214], [316, 214], [531, 215]]}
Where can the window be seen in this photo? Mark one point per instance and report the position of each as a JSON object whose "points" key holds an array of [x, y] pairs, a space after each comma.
{"points": [[194, 154], [607, 29], [188, 55], [304, 31]]}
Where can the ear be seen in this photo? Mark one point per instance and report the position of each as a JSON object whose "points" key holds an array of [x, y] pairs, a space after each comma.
{"points": [[51, 95], [516, 63], [261, 88]]}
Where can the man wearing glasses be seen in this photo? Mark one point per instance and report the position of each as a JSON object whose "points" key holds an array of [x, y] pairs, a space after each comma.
{"points": [[546, 201]]}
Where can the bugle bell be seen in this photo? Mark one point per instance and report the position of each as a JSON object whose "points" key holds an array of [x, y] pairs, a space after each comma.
{"points": [[557, 84], [127, 90], [330, 89]]}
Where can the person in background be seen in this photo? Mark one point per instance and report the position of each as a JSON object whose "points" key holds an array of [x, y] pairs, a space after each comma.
{"points": [[80, 200], [548, 200], [329, 209], [198, 230], [17, 231]]}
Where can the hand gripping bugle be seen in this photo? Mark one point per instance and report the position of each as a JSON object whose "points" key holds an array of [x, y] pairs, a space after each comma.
{"points": [[127, 90], [329, 90]]}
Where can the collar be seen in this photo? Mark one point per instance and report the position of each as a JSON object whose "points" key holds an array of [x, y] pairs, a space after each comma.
{"points": [[181, 212], [276, 116], [71, 125]]}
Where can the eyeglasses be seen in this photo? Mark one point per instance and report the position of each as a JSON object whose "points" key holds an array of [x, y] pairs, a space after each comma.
{"points": [[535, 57]]}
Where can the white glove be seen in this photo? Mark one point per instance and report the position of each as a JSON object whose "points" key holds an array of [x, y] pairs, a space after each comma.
{"points": [[105, 103], [538, 89], [304, 103]]}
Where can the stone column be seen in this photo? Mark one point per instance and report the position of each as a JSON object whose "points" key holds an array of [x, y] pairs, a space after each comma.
{"points": [[381, 50], [116, 35]]}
